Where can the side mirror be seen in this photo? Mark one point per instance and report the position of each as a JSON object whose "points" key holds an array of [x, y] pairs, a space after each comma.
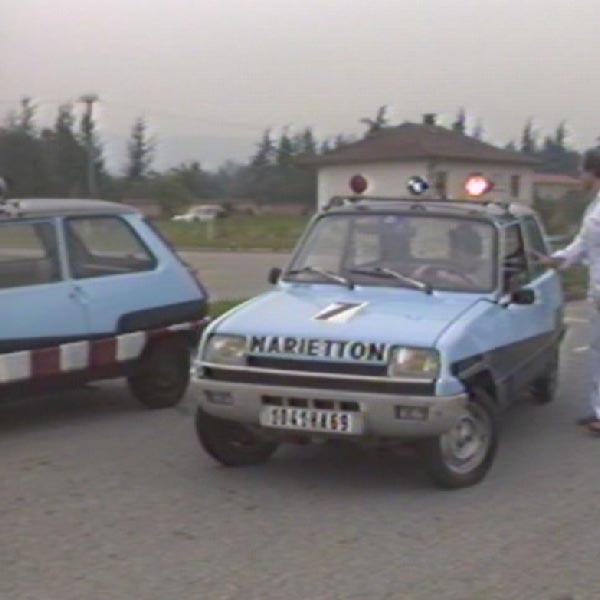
{"points": [[523, 297], [274, 275]]}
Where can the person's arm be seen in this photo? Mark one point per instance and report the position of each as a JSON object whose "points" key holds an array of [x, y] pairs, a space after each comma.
{"points": [[573, 254], [576, 251]]}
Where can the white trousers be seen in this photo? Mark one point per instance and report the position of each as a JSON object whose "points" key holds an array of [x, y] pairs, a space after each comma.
{"points": [[594, 363]]}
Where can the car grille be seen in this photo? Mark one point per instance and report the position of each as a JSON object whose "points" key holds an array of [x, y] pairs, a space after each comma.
{"points": [[312, 366], [354, 384]]}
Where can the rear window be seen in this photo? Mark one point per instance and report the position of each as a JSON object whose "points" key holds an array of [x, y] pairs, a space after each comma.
{"points": [[102, 246], [28, 254]]}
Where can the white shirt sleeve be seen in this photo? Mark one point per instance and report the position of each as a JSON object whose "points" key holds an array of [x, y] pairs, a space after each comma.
{"points": [[574, 253]]}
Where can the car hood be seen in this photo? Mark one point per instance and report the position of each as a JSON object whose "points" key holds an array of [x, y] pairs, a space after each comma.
{"points": [[392, 316]]}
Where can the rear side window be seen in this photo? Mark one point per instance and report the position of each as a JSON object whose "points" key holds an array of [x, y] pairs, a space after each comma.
{"points": [[102, 246], [28, 254]]}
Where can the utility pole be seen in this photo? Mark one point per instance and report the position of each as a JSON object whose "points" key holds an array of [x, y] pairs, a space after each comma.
{"points": [[88, 100]]}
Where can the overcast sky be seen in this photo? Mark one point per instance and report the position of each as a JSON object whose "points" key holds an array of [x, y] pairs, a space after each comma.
{"points": [[226, 69]]}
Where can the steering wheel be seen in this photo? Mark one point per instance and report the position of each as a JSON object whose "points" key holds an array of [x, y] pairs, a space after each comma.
{"points": [[433, 271]]}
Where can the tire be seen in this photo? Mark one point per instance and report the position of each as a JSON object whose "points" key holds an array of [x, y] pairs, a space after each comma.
{"points": [[164, 374], [231, 443], [543, 389], [456, 459]]}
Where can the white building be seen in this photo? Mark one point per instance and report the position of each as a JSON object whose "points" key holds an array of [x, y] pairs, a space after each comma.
{"points": [[550, 186], [445, 158]]}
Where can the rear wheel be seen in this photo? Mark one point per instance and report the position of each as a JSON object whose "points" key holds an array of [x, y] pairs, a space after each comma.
{"points": [[164, 374], [462, 456], [230, 443]]}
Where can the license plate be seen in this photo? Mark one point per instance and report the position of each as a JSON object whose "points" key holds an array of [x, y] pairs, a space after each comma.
{"points": [[308, 419]]}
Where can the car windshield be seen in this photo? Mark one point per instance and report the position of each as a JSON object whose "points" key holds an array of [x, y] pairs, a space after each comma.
{"points": [[392, 249]]}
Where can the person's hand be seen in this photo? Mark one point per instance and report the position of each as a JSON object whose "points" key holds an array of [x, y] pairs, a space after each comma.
{"points": [[550, 262]]}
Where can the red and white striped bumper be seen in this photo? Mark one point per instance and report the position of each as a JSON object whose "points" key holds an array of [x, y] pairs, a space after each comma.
{"points": [[84, 355]]}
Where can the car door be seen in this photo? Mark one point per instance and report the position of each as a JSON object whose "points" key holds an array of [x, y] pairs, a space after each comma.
{"points": [[37, 305], [530, 329], [123, 284]]}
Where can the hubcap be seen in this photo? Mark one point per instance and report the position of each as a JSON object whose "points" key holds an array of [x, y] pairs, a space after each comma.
{"points": [[465, 447]]}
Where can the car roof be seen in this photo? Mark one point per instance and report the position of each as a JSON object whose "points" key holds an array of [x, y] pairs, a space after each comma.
{"points": [[498, 212], [53, 207]]}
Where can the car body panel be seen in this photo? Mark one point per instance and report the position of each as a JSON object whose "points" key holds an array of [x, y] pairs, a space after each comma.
{"points": [[94, 326]]}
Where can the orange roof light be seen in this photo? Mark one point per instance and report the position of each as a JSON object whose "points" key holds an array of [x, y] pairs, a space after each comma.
{"points": [[478, 185]]}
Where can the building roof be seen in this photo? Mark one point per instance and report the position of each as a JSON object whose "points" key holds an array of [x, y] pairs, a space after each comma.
{"points": [[38, 207], [411, 141], [556, 179]]}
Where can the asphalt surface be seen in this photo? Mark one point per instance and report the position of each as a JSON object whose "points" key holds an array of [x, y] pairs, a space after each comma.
{"points": [[100, 499], [235, 275]]}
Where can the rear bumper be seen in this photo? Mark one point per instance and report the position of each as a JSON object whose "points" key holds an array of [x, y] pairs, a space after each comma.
{"points": [[382, 413]]}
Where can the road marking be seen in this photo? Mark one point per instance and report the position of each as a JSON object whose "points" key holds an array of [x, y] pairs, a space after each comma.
{"points": [[576, 320], [580, 349]]}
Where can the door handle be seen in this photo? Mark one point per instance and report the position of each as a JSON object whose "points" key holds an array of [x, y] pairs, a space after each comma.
{"points": [[77, 293]]}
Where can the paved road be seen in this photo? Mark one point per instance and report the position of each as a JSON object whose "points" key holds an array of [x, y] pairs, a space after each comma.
{"points": [[235, 275], [102, 500]]}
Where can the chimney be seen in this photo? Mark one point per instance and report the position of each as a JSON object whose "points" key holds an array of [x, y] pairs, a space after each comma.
{"points": [[429, 119]]}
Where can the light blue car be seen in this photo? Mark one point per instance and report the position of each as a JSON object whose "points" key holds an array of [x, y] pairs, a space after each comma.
{"points": [[88, 291], [413, 321]]}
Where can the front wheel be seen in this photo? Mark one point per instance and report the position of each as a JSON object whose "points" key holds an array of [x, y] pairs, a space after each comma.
{"points": [[543, 389], [230, 443], [462, 456]]}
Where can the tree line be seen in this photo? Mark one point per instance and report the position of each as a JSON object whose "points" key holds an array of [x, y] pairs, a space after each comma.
{"points": [[67, 160]]}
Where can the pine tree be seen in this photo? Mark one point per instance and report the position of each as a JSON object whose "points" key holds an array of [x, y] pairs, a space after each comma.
{"points": [[25, 119], [285, 150], [94, 151], [264, 153], [140, 150], [528, 139], [378, 123], [460, 125], [67, 155]]}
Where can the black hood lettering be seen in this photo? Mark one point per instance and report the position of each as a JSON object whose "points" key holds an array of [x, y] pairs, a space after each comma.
{"points": [[319, 348]]}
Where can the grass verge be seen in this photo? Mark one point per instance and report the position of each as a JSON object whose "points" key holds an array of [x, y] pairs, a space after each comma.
{"points": [[216, 309], [236, 233]]}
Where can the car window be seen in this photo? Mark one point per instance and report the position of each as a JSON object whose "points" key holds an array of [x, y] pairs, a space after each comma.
{"points": [[324, 247], [536, 242], [101, 246], [447, 253], [514, 259], [28, 254]]}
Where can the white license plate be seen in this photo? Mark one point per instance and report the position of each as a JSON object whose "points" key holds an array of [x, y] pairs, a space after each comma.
{"points": [[309, 419]]}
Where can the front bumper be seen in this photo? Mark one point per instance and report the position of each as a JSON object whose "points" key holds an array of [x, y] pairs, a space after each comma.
{"points": [[382, 413]]}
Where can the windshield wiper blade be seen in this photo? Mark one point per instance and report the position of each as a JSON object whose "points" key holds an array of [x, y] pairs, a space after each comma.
{"points": [[385, 272], [327, 274]]}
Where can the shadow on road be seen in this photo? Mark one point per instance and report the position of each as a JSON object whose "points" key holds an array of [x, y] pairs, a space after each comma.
{"points": [[84, 404]]}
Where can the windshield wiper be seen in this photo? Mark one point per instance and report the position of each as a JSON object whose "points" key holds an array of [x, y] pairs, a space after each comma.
{"points": [[390, 273], [324, 273]]}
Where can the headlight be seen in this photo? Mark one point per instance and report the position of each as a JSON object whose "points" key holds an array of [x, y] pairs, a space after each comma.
{"points": [[414, 362], [226, 350]]}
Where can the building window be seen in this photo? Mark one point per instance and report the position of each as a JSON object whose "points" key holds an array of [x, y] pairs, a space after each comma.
{"points": [[441, 183], [515, 186]]}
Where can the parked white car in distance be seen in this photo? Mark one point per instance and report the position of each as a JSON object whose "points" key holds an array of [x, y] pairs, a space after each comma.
{"points": [[200, 214]]}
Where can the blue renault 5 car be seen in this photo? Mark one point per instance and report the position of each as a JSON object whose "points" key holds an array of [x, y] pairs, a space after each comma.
{"points": [[89, 291], [413, 321]]}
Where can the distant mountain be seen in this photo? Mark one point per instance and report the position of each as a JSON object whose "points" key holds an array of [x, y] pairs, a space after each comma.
{"points": [[210, 152]]}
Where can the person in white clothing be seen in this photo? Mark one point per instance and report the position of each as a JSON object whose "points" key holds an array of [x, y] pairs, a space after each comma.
{"points": [[586, 248]]}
